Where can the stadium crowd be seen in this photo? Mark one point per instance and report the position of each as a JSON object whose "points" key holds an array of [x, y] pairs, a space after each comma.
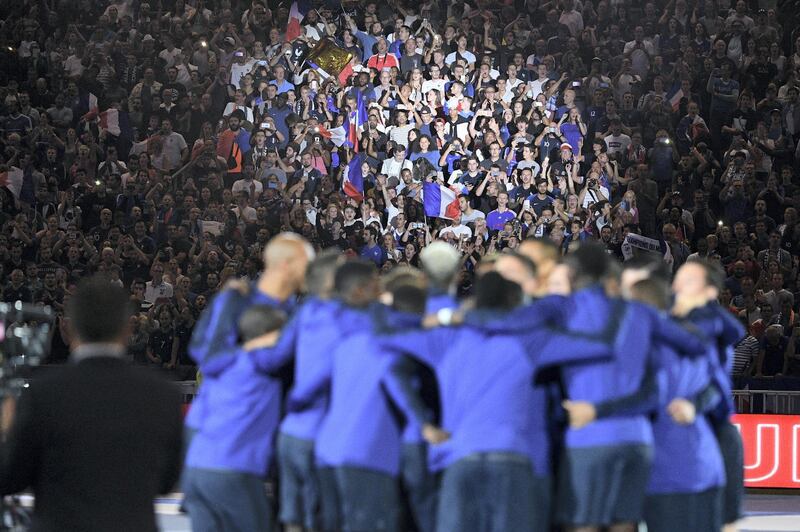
{"points": [[166, 142]]}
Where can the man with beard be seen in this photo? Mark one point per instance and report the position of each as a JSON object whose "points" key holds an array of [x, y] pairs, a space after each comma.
{"points": [[232, 145]]}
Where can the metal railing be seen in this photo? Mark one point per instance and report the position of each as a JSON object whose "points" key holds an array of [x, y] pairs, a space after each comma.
{"points": [[766, 401]]}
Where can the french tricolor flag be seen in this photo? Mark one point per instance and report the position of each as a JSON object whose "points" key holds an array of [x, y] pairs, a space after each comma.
{"points": [[91, 104], [357, 120], [440, 201], [296, 14], [12, 180], [113, 121], [353, 179]]}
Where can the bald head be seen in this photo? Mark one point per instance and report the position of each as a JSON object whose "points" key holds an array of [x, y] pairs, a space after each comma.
{"points": [[286, 259], [285, 248]]}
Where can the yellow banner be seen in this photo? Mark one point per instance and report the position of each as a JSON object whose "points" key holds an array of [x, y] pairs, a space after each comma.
{"points": [[329, 57]]}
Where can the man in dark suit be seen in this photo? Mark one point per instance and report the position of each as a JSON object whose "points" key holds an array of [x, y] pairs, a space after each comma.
{"points": [[99, 439]]}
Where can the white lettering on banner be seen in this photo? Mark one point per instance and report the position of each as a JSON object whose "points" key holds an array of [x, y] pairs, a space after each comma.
{"points": [[771, 450], [760, 452], [796, 448]]}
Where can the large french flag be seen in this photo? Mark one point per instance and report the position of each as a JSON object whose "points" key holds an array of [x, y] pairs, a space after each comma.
{"points": [[356, 121], [90, 101], [337, 135], [353, 179], [12, 180], [115, 122], [296, 14], [440, 201]]}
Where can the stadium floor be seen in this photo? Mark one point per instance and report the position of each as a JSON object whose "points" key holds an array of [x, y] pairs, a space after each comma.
{"points": [[765, 513]]}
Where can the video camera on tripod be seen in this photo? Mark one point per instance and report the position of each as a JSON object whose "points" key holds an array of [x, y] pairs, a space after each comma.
{"points": [[26, 332]]}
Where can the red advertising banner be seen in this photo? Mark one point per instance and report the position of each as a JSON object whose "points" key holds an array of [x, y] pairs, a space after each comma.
{"points": [[771, 450]]}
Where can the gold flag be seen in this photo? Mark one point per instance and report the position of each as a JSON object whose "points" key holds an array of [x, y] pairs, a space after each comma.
{"points": [[329, 58]]}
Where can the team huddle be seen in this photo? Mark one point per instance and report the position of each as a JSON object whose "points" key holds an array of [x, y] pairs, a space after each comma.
{"points": [[562, 394]]}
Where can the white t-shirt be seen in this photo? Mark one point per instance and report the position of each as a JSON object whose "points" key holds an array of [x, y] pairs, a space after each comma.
{"points": [[237, 71], [242, 184], [618, 144], [174, 144], [466, 54], [592, 197], [169, 57], [153, 293], [231, 107], [437, 84], [399, 134], [392, 167], [460, 231], [536, 87]]}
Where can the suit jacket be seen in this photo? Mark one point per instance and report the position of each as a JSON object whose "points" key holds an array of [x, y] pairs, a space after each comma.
{"points": [[96, 440]]}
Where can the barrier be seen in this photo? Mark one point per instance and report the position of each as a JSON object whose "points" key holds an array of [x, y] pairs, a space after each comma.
{"points": [[766, 401]]}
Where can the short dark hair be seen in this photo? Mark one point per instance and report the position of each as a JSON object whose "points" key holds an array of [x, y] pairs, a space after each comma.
{"points": [[588, 264], [409, 298], [98, 311], [653, 291], [258, 320], [352, 275], [493, 291], [320, 271]]}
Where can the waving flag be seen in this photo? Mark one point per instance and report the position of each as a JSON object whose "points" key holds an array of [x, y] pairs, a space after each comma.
{"points": [[357, 120], [116, 123], [90, 101], [440, 201], [296, 14], [675, 99], [353, 179], [12, 180], [337, 135], [328, 59]]}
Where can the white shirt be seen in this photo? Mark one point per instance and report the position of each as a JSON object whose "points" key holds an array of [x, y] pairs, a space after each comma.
{"points": [[537, 87], [437, 84], [460, 231], [254, 188], [73, 66], [592, 197], [617, 144], [466, 54], [392, 167], [169, 57], [237, 71], [399, 134], [174, 144], [231, 107], [153, 293]]}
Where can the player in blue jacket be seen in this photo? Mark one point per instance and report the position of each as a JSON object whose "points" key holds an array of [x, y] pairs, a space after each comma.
{"points": [[358, 446], [603, 471], [311, 335], [687, 474], [496, 463], [230, 454], [696, 287]]}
